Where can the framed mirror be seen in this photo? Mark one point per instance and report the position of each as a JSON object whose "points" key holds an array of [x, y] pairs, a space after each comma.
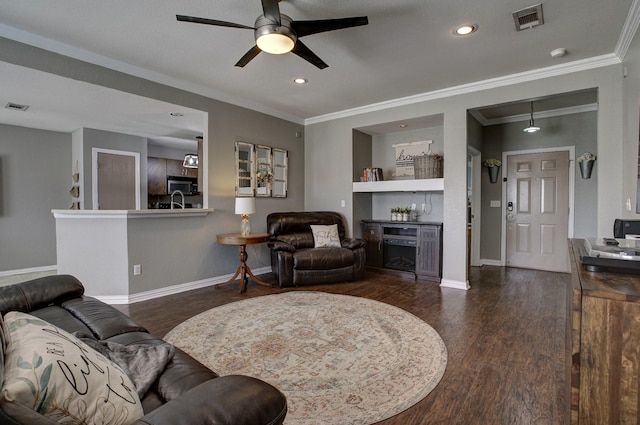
{"points": [[280, 164], [245, 161], [264, 171]]}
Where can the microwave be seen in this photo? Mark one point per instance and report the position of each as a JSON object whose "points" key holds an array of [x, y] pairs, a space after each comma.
{"points": [[186, 185]]}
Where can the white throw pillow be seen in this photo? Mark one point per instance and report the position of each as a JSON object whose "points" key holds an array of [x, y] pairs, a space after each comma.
{"points": [[49, 371], [325, 235]]}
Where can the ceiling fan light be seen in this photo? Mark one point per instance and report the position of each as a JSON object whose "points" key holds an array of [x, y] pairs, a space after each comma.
{"points": [[275, 43]]}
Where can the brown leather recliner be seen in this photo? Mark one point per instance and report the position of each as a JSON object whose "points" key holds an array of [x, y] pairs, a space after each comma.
{"points": [[296, 262]]}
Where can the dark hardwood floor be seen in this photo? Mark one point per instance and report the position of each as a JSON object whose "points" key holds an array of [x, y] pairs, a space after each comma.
{"points": [[505, 339]]}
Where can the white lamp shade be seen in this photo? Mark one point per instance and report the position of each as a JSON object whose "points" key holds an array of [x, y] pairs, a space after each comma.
{"points": [[245, 206]]}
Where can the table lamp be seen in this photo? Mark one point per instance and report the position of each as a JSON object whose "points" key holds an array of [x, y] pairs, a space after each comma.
{"points": [[244, 207]]}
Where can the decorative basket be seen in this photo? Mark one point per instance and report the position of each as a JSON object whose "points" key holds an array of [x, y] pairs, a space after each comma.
{"points": [[427, 166]]}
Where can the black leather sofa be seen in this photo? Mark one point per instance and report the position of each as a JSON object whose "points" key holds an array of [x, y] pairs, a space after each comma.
{"points": [[295, 261], [186, 392]]}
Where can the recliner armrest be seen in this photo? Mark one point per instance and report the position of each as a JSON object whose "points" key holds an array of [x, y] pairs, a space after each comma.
{"points": [[227, 400], [281, 246], [353, 243]]}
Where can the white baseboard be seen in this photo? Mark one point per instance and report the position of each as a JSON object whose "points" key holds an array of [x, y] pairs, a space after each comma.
{"points": [[455, 284], [28, 270], [170, 290], [486, 262]]}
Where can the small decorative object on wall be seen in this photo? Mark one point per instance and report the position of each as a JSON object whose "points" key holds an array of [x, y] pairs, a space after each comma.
{"points": [[586, 161], [494, 168], [75, 189], [260, 170]]}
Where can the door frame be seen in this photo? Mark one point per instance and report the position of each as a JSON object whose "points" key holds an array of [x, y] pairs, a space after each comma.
{"points": [[572, 181], [476, 205], [94, 173]]}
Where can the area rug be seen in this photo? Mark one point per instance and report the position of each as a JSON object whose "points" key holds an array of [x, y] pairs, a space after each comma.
{"points": [[338, 359]]}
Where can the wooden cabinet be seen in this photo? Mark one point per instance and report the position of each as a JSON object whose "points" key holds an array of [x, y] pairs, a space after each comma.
{"points": [[159, 168], [372, 234], [428, 256], [603, 326], [175, 168], [156, 176], [406, 246]]}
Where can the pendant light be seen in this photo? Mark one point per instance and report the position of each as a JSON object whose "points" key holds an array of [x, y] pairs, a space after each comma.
{"points": [[532, 127]]}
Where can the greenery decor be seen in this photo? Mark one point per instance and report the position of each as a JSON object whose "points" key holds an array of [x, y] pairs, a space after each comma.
{"points": [[587, 156], [492, 162]]}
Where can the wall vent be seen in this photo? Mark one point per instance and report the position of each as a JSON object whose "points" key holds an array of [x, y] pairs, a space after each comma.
{"points": [[528, 17], [16, 107]]}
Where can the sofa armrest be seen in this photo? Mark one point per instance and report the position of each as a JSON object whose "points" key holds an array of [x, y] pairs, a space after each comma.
{"points": [[353, 243], [281, 246], [227, 400]]}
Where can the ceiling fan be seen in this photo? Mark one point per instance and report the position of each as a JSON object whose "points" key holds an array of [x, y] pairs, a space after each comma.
{"points": [[277, 33]]}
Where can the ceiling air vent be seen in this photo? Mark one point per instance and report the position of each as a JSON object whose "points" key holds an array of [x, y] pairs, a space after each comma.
{"points": [[16, 107], [528, 17]]}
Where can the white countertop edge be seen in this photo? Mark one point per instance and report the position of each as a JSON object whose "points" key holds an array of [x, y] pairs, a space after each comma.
{"points": [[187, 212]]}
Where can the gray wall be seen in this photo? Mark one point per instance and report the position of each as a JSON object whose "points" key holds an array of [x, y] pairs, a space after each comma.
{"points": [[202, 257], [578, 130], [328, 142], [35, 177]]}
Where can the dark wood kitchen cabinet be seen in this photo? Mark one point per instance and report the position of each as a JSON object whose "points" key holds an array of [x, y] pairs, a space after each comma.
{"points": [[159, 168], [404, 246], [175, 168], [156, 176], [372, 235]]}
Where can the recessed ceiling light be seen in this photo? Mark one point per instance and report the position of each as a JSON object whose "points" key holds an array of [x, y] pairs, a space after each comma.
{"points": [[402, 126], [300, 80], [466, 29], [176, 114]]}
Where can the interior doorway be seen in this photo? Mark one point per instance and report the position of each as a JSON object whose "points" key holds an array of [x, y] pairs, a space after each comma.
{"points": [[116, 180]]}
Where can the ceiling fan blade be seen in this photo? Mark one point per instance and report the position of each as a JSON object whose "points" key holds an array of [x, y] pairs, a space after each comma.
{"points": [[252, 53], [205, 21], [303, 28], [271, 10], [303, 51]]}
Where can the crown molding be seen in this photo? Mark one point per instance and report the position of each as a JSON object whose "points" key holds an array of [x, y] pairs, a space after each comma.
{"points": [[628, 30], [136, 71], [522, 77], [525, 117]]}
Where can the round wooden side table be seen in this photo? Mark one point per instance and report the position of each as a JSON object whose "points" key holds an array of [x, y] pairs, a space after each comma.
{"points": [[243, 270]]}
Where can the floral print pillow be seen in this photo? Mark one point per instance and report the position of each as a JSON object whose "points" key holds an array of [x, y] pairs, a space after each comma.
{"points": [[49, 371]]}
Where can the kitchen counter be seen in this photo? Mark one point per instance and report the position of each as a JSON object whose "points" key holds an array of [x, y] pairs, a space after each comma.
{"points": [[156, 213]]}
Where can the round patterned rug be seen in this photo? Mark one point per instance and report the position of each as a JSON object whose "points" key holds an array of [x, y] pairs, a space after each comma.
{"points": [[338, 359]]}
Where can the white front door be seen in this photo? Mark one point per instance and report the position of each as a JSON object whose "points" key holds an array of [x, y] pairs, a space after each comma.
{"points": [[537, 211]]}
